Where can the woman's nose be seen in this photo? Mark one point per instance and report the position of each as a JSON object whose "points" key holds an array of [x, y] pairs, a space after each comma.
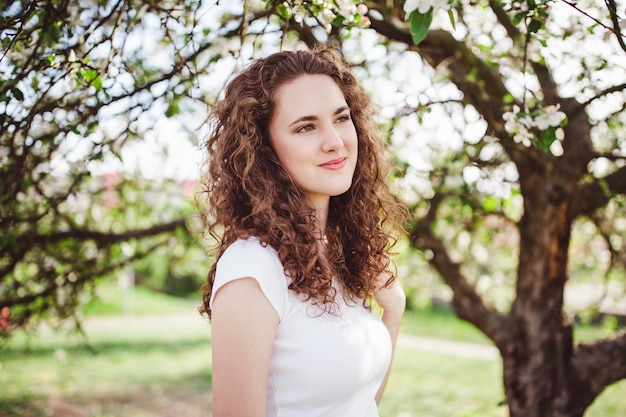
{"points": [[332, 140]]}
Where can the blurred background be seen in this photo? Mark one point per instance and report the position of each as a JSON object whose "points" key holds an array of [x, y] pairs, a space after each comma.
{"points": [[505, 124]]}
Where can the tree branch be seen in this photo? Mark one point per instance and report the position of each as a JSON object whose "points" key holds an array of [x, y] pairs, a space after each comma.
{"points": [[612, 8], [610, 90], [105, 239], [610, 4], [504, 20], [584, 13], [594, 195], [439, 48], [542, 72], [486, 93], [467, 303], [601, 363]]}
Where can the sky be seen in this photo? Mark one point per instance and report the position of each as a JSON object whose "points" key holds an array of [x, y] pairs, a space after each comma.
{"points": [[167, 152]]}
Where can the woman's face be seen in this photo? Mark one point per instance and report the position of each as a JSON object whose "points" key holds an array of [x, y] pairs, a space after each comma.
{"points": [[314, 137]]}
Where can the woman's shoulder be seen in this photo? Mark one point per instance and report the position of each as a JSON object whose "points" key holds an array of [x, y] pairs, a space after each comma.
{"points": [[251, 246], [250, 256], [253, 259]]}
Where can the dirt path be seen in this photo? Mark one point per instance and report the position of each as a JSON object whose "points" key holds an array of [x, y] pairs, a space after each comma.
{"points": [[405, 341], [447, 347]]}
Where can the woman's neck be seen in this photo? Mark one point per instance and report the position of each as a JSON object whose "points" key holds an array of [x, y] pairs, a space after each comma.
{"points": [[321, 211]]}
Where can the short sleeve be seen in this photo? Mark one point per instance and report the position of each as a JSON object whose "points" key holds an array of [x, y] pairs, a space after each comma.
{"points": [[250, 259]]}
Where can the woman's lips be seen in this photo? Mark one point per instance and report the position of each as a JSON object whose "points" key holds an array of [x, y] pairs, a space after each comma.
{"points": [[334, 164]]}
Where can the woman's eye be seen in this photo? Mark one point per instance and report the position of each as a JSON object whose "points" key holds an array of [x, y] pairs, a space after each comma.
{"points": [[305, 128], [343, 118]]}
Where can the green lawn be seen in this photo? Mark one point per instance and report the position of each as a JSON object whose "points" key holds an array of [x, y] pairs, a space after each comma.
{"points": [[145, 366], [114, 301], [428, 384]]}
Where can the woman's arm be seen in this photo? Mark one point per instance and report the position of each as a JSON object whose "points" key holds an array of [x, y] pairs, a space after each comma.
{"points": [[393, 302], [243, 327]]}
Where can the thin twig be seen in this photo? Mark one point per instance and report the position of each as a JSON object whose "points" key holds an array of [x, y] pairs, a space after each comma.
{"points": [[614, 18]]}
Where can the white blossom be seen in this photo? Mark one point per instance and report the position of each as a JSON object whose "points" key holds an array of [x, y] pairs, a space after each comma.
{"points": [[298, 11], [328, 11], [523, 136], [521, 125], [411, 5], [347, 9], [510, 123], [441, 4], [551, 117], [423, 6]]}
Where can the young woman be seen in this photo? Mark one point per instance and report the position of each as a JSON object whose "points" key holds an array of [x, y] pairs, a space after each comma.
{"points": [[298, 201]]}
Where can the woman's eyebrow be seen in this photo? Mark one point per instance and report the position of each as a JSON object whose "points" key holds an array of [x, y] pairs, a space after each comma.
{"points": [[341, 109], [303, 119], [310, 118]]}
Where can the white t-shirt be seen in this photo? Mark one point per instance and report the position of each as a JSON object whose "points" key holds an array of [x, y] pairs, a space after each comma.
{"points": [[328, 365]]}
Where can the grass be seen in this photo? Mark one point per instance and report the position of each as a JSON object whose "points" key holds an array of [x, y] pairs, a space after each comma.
{"points": [[429, 384], [124, 363], [112, 300], [159, 366], [440, 322]]}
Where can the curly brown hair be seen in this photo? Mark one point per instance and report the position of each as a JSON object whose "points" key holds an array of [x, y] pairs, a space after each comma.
{"points": [[249, 194]]}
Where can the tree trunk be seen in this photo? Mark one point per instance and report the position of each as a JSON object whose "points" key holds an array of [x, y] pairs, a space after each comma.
{"points": [[539, 379]]}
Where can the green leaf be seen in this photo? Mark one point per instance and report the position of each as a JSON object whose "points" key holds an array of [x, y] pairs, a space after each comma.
{"points": [[420, 23], [490, 204], [17, 93], [534, 26], [283, 11], [97, 83], [548, 136], [517, 18], [472, 76], [173, 109], [338, 21], [52, 35], [604, 186], [92, 77], [452, 21]]}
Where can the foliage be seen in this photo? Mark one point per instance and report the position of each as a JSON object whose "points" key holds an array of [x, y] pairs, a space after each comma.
{"points": [[81, 84]]}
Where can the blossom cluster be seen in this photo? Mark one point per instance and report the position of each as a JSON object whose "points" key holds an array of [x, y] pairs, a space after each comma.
{"points": [[521, 124], [351, 12], [423, 6]]}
